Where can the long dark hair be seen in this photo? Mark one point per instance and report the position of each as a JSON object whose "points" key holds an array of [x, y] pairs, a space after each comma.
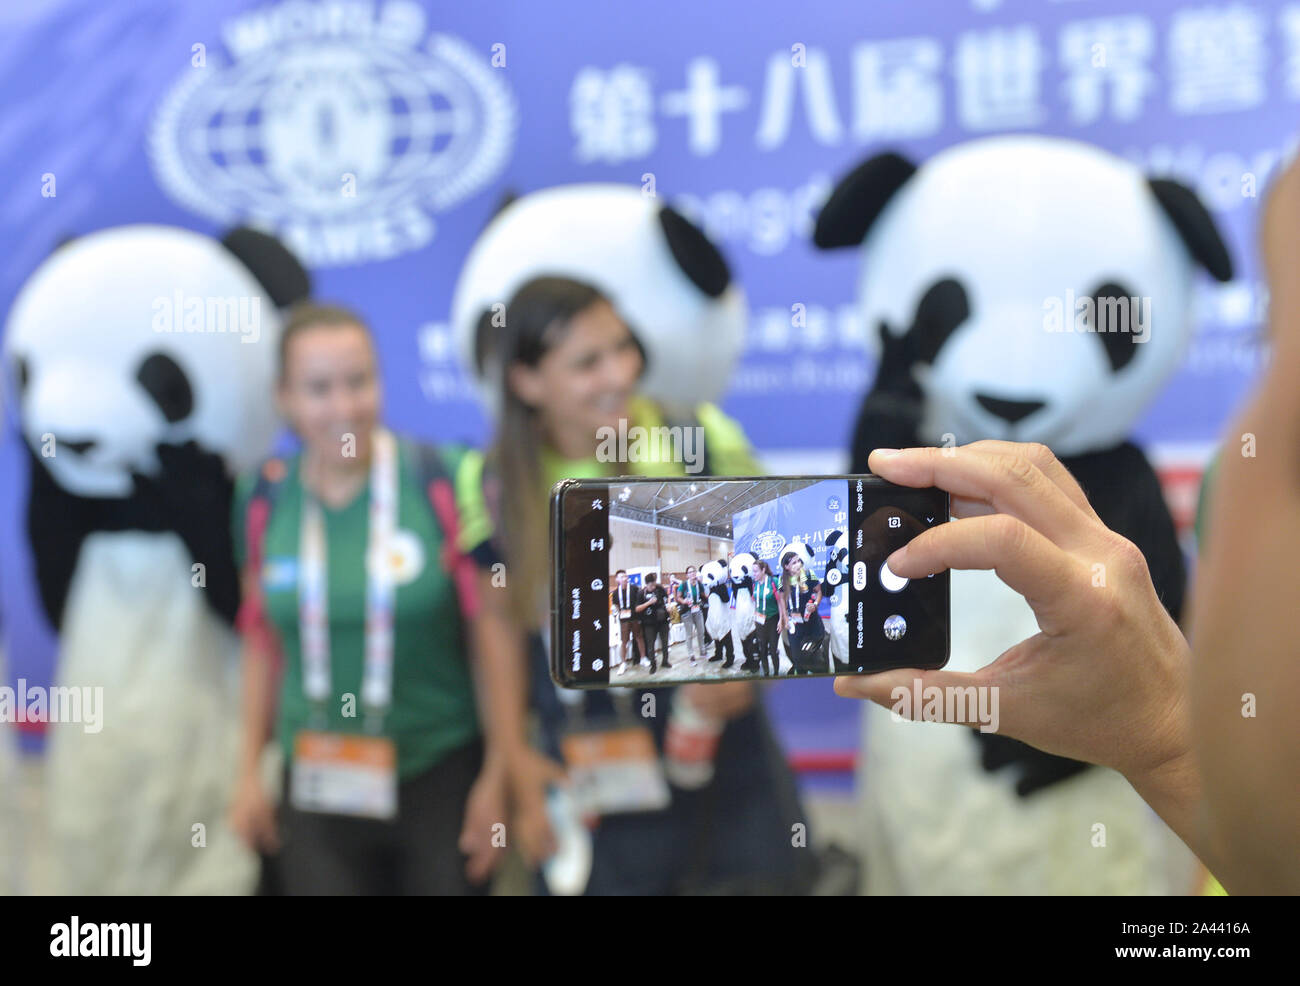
{"points": [[536, 320], [787, 578]]}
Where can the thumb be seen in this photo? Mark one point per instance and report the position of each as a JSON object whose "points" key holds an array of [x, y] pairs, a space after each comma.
{"points": [[902, 685]]}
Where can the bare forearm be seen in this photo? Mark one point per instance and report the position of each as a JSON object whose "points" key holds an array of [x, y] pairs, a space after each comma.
{"points": [[257, 677], [500, 674]]}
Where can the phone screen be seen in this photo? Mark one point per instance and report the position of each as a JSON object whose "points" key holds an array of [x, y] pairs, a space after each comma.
{"points": [[660, 581]]}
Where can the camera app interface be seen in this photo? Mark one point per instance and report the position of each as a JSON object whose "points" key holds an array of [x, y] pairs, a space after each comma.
{"points": [[668, 581]]}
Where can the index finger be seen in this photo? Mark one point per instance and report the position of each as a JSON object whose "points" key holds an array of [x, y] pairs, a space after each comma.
{"points": [[1010, 482]]}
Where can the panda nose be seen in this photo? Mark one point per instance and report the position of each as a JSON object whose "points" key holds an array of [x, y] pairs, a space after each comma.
{"points": [[1010, 411], [77, 448]]}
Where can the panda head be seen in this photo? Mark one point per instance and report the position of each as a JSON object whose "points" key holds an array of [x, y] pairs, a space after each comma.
{"points": [[713, 573], [997, 264], [800, 550], [837, 557], [742, 567], [137, 336], [665, 278]]}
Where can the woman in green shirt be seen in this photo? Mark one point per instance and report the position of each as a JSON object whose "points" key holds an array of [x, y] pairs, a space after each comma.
{"points": [[389, 786], [768, 606]]}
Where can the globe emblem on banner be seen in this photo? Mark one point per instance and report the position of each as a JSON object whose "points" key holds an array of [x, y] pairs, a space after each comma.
{"points": [[347, 147], [833, 504], [767, 544]]}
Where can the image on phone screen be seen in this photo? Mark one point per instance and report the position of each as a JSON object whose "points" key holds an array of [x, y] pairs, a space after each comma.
{"points": [[658, 582]]}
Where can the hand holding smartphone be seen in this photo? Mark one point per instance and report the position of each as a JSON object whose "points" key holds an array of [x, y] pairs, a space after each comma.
{"points": [[780, 576]]}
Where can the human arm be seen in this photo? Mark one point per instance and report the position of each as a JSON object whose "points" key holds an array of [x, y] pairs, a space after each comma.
{"points": [[1107, 678], [511, 767], [252, 815]]}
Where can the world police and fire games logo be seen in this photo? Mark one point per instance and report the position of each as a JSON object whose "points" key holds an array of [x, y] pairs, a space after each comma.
{"points": [[344, 128], [767, 544]]}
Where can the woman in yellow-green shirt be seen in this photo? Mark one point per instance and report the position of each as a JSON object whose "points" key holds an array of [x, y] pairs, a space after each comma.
{"points": [[568, 367]]}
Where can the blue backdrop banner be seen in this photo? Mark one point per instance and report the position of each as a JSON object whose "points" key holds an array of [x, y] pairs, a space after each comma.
{"points": [[378, 136]]}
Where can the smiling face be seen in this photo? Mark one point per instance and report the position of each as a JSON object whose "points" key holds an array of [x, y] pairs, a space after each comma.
{"points": [[623, 243], [584, 380], [330, 390]]}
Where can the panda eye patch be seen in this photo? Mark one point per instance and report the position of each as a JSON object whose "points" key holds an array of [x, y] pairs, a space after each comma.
{"points": [[1114, 308], [942, 308], [21, 373], [164, 381]]}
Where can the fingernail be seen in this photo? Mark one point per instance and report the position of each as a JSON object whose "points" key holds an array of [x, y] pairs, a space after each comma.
{"points": [[885, 451]]}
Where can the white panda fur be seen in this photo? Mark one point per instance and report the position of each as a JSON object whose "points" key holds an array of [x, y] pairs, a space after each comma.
{"points": [[836, 586], [125, 803], [717, 619], [742, 613], [934, 822], [1020, 220], [612, 237]]}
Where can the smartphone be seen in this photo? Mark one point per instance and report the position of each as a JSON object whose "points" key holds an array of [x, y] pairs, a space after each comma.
{"points": [[658, 581]]}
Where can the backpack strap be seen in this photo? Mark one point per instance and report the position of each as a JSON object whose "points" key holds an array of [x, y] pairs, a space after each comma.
{"points": [[252, 618], [433, 472]]}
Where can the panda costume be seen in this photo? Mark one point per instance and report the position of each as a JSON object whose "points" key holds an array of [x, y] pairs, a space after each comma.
{"points": [[972, 270], [718, 618], [743, 625], [145, 359], [835, 587], [805, 645]]}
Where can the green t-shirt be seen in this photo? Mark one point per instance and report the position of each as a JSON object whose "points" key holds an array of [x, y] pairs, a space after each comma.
{"points": [[433, 705], [769, 603]]}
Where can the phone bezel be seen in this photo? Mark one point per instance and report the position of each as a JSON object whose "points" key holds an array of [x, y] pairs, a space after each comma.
{"points": [[560, 672]]}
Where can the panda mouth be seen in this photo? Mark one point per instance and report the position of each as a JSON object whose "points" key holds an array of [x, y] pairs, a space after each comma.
{"points": [[77, 448], [1012, 412]]}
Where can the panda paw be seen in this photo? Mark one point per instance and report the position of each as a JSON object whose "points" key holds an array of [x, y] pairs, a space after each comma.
{"points": [[1038, 770], [192, 496]]}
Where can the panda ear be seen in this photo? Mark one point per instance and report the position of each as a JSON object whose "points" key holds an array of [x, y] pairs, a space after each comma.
{"points": [[859, 198], [508, 198], [695, 253], [270, 261], [1194, 225]]}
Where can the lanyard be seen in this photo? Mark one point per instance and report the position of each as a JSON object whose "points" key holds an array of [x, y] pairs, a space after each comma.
{"points": [[622, 597], [313, 591], [764, 588], [795, 586]]}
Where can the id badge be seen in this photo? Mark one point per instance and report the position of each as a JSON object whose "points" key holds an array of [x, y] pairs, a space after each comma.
{"points": [[760, 617], [625, 614], [344, 774], [615, 770], [695, 608], [796, 619]]}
